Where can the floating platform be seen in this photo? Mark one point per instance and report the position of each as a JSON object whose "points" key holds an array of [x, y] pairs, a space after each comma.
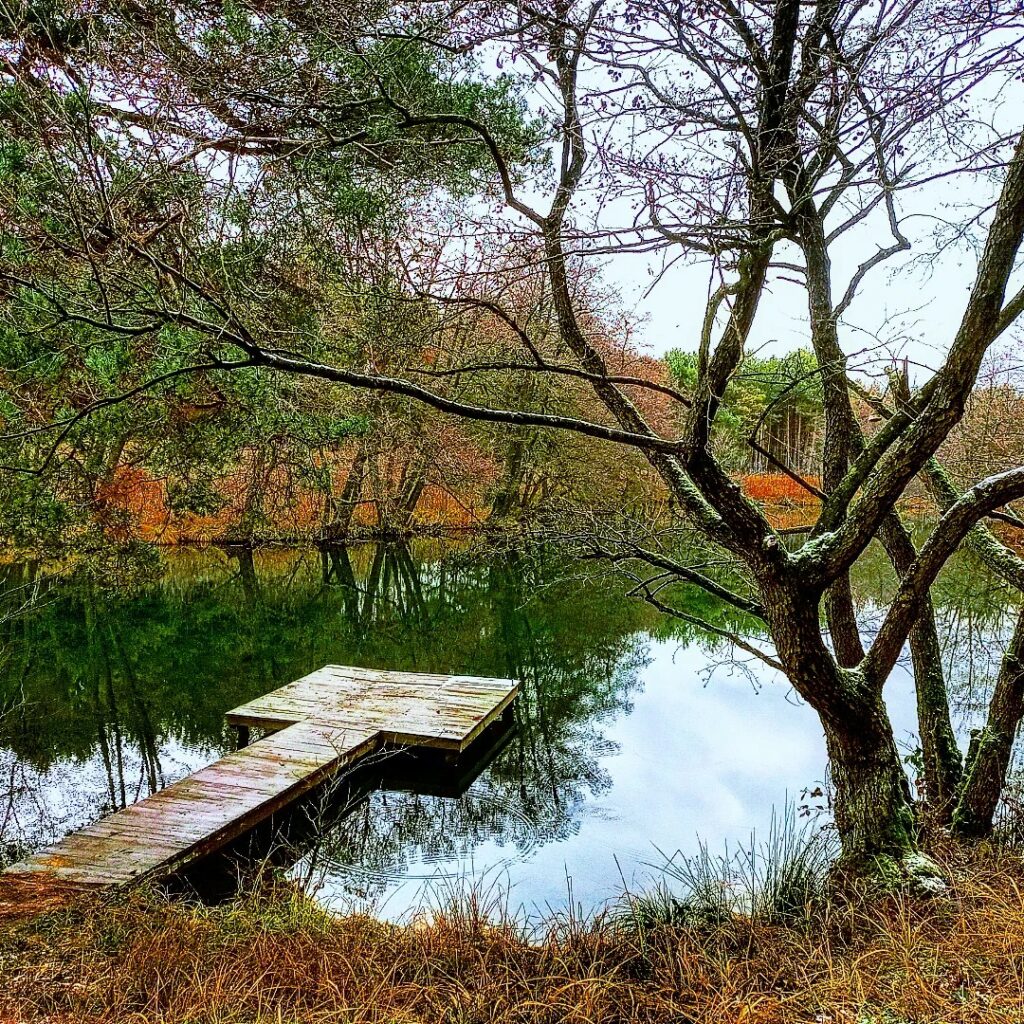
{"points": [[318, 726]]}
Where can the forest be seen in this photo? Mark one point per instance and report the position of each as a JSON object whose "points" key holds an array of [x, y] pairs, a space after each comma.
{"points": [[409, 336]]}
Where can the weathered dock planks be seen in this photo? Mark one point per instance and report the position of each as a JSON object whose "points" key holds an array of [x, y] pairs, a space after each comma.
{"points": [[317, 726]]}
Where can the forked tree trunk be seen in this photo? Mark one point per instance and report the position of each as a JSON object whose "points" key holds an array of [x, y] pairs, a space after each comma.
{"points": [[413, 483], [340, 524], [989, 757], [843, 441], [872, 801]]}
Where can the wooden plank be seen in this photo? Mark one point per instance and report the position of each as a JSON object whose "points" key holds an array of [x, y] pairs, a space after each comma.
{"points": [[317, 725]]}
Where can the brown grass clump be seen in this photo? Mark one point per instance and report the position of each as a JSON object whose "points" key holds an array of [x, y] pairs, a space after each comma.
{"points": [[28, 895], [278, 958]]}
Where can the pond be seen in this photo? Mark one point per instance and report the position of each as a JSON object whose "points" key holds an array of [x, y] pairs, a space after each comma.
{"points": [[635, 736]]}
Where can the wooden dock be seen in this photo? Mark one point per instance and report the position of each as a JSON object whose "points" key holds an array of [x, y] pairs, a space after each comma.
{"points": [[317, 726]]}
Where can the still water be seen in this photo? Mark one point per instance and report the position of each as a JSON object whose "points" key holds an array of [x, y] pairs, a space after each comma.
{"points": [[634, 735]]}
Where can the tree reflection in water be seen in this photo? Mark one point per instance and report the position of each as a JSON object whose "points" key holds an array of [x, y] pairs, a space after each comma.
{"points": [[975, 615], [110, 695]]}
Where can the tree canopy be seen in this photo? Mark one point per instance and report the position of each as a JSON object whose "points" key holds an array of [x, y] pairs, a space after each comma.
{"points": [[201, 193]]}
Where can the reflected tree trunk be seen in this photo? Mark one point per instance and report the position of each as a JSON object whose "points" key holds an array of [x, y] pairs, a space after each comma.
{"points": [[337, 568], [373, 583], [243, 554], [148, 747], [92, 668], [115, 727]]}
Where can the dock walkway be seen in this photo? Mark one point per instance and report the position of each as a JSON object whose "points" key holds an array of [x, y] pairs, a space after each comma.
{"points": [[317, 726]]}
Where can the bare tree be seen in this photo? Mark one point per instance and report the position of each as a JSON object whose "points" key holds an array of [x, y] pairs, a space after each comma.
{"points": [[756, 137]]}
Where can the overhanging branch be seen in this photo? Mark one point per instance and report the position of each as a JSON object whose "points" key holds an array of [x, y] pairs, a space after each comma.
{"points": [[952, 528]]}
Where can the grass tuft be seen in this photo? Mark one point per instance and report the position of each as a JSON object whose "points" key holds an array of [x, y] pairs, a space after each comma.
{"points": [[792, 959], [781, 880]]}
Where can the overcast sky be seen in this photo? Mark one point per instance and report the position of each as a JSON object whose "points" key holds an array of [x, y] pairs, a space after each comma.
{"points": [[909, 307]]}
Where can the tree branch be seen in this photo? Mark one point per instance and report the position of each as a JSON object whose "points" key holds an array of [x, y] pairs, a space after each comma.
{"points": [[951, 529]]}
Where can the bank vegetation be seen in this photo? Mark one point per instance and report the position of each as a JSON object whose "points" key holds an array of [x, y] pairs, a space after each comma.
{"points": [[277, 956]]}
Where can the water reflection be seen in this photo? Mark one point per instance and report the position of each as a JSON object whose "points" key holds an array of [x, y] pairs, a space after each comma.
{"points": [[370, 824], [110, 695], [630, 730], [975, 613]]}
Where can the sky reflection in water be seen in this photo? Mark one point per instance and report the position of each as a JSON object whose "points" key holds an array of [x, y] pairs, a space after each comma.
{"points": [[631, 738]]}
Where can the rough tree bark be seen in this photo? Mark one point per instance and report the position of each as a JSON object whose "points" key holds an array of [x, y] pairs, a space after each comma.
{"points": [[872, 800]]}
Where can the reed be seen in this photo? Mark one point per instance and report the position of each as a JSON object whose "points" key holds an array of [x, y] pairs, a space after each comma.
{"points": [[276, 957], [780, 879]]}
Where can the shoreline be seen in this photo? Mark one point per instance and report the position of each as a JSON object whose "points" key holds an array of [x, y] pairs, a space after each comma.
{"points": [[274, 955]]}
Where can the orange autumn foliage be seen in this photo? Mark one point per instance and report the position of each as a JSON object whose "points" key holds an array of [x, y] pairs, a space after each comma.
{"points": [[134, 505], [777, 488], [786, 504]]}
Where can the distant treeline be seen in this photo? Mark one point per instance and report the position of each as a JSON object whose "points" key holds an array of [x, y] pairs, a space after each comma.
{"points": [[253, 456]]}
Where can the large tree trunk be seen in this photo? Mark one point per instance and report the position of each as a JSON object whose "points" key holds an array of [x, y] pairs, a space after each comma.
{"points": [[991, 747], [344, 509], [414, 481], [872, 801], [507, 495], [843, 440], [872, 795]]}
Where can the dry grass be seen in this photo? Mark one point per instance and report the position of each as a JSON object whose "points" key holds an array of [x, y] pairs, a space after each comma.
{"points": [[779, 489], [786, 504], [23, 896], [278, 958]]}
